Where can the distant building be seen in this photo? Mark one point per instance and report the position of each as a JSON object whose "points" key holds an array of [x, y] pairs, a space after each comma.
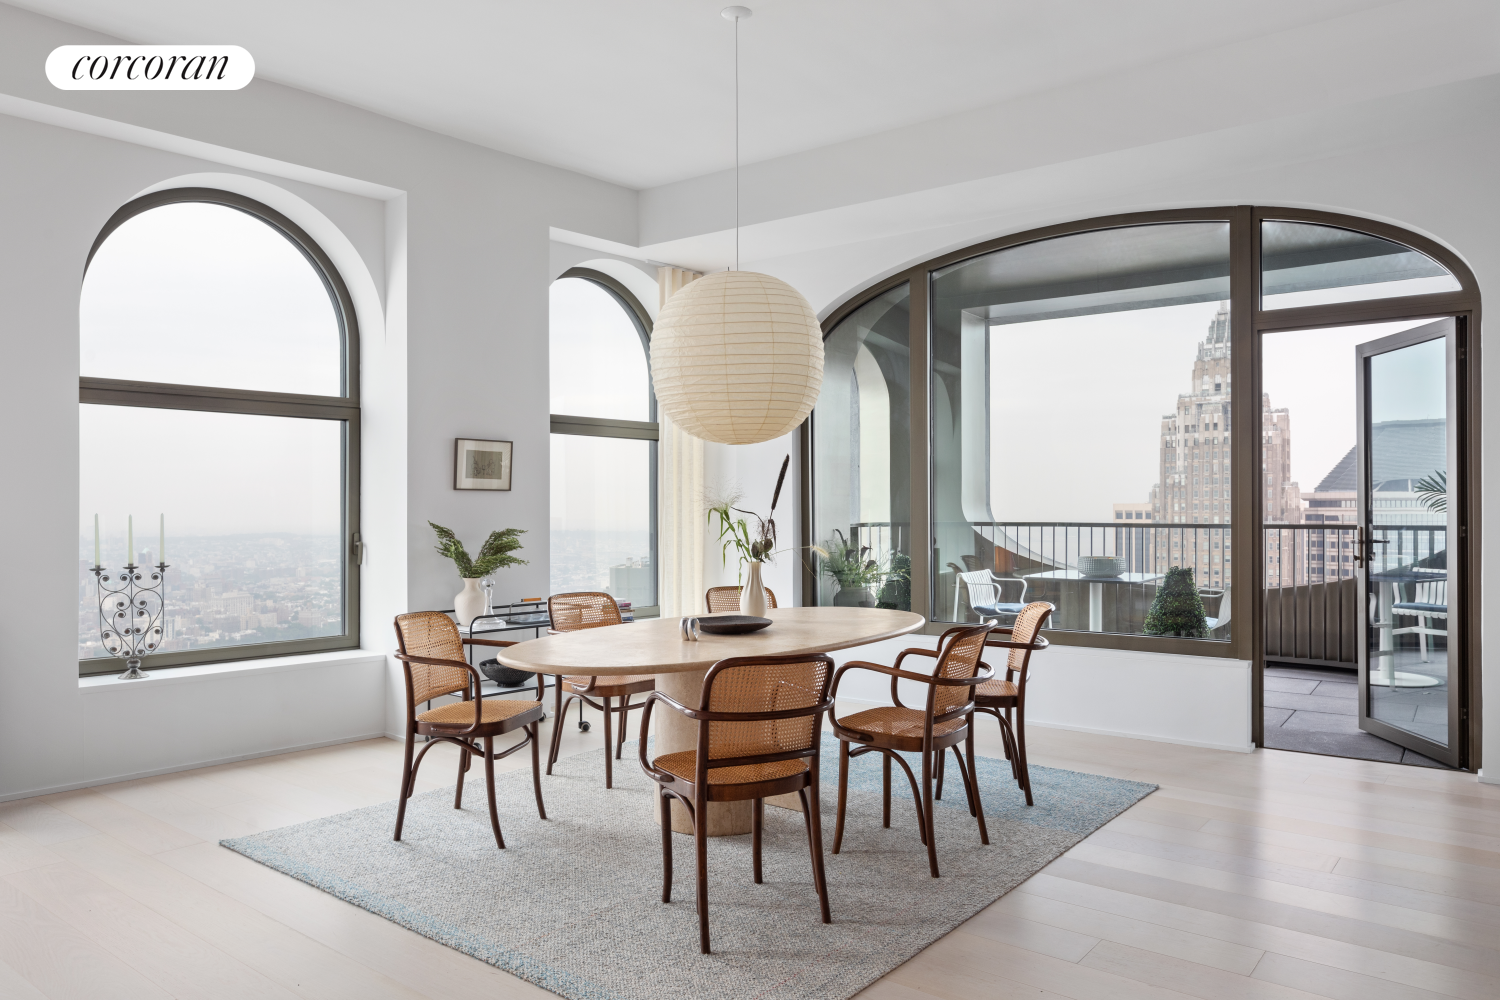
{"points": [[1193, 469], [634, 580]]}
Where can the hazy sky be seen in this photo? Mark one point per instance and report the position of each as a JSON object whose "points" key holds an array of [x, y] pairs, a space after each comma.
{"points": [[599, 367], [209, 473], [1076, 407], [1312, 374], [207, 295]]}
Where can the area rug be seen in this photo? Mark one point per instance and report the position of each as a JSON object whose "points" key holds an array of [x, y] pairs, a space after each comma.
{"points": [[574, 902]]}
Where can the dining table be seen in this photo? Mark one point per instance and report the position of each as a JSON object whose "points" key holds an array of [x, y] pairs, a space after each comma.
{"points": [[658, 646]]}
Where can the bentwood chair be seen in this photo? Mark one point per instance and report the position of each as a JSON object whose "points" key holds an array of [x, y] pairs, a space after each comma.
{"points": [[760, 722], [945, 721], [1002, 698], [726, 600], [570, 612], [432, 658]]}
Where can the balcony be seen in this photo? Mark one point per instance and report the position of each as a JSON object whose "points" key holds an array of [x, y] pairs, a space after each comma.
{"points": [[1311, 613]]}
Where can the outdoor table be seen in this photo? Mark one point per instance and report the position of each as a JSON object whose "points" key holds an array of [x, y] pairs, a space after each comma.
{"points": [[1096, 588], [1386, 597], [656, 646]]}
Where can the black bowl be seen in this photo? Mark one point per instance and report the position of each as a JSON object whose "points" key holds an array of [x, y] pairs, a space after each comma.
{"points": [[506, 677], [731, 624]]}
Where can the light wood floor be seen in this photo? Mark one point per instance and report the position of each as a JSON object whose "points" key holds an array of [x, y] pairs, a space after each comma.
{"points": [[1272, 875]]}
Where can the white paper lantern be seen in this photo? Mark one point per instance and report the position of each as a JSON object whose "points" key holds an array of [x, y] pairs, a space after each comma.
{"points": [[737, 357]]}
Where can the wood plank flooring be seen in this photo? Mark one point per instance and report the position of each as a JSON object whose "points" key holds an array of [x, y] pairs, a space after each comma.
{"points": [[1266, 876]]}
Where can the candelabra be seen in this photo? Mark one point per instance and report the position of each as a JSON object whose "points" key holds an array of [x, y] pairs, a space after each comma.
{"points": [[130, 614]]}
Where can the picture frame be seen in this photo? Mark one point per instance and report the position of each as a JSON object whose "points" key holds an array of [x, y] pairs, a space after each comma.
{"points": [[481, 465]]}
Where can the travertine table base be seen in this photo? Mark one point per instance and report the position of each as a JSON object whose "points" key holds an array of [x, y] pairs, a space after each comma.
{"points": [[655, 646]]}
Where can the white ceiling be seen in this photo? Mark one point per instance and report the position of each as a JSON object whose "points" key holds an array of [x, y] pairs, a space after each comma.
{"points": [[640, 92]]}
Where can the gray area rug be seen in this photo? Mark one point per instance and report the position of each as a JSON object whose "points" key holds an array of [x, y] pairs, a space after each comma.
{"points": [[574, 902]]}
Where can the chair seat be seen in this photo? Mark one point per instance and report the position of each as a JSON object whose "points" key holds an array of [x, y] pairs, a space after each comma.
{"points": [[460, 714], [997, 688], [1424, 609], [999, 609], [684, 764], [614, 687], [898, 728]]}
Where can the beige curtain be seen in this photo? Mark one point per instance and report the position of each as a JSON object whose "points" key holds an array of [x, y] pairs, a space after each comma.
{"points": [[680, 465]]}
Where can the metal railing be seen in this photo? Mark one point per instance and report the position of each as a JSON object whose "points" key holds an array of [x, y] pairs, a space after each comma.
{"points": [[1311, 613]]}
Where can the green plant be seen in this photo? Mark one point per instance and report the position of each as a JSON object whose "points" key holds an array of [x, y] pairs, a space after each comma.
{"points": [[847, 562], [734, 532], [895, 593], [1433, 491], [495, 553], [1177, 609]]}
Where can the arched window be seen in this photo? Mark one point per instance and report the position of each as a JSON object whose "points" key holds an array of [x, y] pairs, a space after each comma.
{"points": [[604, 436], [219, 429]]}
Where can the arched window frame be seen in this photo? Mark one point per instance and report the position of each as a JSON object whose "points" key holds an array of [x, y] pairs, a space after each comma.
{"points": [[639, 430], [174, 396], [1248, 321]]}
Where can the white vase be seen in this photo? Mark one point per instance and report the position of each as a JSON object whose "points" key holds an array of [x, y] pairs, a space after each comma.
{"points": [[753, 594], [468, 604]]}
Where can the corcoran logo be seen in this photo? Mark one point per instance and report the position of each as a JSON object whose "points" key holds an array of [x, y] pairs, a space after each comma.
{"points": [[150, 67]]}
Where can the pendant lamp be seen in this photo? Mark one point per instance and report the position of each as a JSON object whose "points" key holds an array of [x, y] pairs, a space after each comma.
{"points": [[736, 356]]}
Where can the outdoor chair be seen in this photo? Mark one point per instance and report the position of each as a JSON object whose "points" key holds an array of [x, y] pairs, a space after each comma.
{"points": [[433, 661], [570, 612], [985, 593], [1429, 601], [726, 600], [760, 723], [945, 721]]}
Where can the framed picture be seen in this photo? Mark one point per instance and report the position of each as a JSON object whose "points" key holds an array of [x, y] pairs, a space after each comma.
{"points": [[481, 465]]}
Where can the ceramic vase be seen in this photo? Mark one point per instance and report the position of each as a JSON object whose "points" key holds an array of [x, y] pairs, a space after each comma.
{"points": [[753, 594], [468, 604]]}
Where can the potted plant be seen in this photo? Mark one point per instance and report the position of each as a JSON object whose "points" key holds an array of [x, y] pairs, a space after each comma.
{"points": [[753, 548], [494, 554], [895, 593], [849, 565], [1177, 609]]}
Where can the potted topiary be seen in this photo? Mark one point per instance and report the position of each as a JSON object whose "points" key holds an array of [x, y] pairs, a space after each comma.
{"points": [[1177, 609]]}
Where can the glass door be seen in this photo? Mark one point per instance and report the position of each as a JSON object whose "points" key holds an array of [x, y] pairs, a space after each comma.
{"points": [[1408, 490]]}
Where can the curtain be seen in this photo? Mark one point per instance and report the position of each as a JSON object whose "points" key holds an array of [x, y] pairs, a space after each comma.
{"points": [[680, 465]]}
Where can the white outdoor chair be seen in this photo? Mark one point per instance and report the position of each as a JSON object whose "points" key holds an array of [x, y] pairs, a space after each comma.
{"points": [[1216, 622], [1429, 601], [984, 594]]}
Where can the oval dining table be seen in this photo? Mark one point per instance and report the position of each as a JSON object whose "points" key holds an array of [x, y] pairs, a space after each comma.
{"points": [[656, 646]]}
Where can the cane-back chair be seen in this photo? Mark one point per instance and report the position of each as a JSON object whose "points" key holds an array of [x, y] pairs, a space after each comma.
{"points": [[431, 652], [760, 723], [1006, 698], [945, 721], [569, 613], [726, 600]]}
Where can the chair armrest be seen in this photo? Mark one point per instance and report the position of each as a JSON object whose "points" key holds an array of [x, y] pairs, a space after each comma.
{"points": [[488, 642], [438, 661], [640, 745], [1040, 643]]}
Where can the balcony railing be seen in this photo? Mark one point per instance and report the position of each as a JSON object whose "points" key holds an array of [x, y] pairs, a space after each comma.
{"points": [[1311, 615]]}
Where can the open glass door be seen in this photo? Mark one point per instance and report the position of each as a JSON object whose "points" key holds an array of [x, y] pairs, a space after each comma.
{"points": [[1409, 484]]}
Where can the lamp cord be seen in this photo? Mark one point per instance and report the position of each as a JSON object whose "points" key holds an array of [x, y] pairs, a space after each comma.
{"points": [[736, 143]]}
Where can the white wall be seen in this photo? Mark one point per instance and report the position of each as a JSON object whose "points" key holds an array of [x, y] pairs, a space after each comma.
{"points": [[446, 247], [1200, 701]]}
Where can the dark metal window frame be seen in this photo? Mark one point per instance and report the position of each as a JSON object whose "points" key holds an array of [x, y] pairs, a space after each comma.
{"points": [[1247, 322], [172, 396], [606, 427]]}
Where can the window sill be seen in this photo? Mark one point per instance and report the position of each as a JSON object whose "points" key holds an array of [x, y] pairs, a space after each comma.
{"points": [[229, 668]]}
